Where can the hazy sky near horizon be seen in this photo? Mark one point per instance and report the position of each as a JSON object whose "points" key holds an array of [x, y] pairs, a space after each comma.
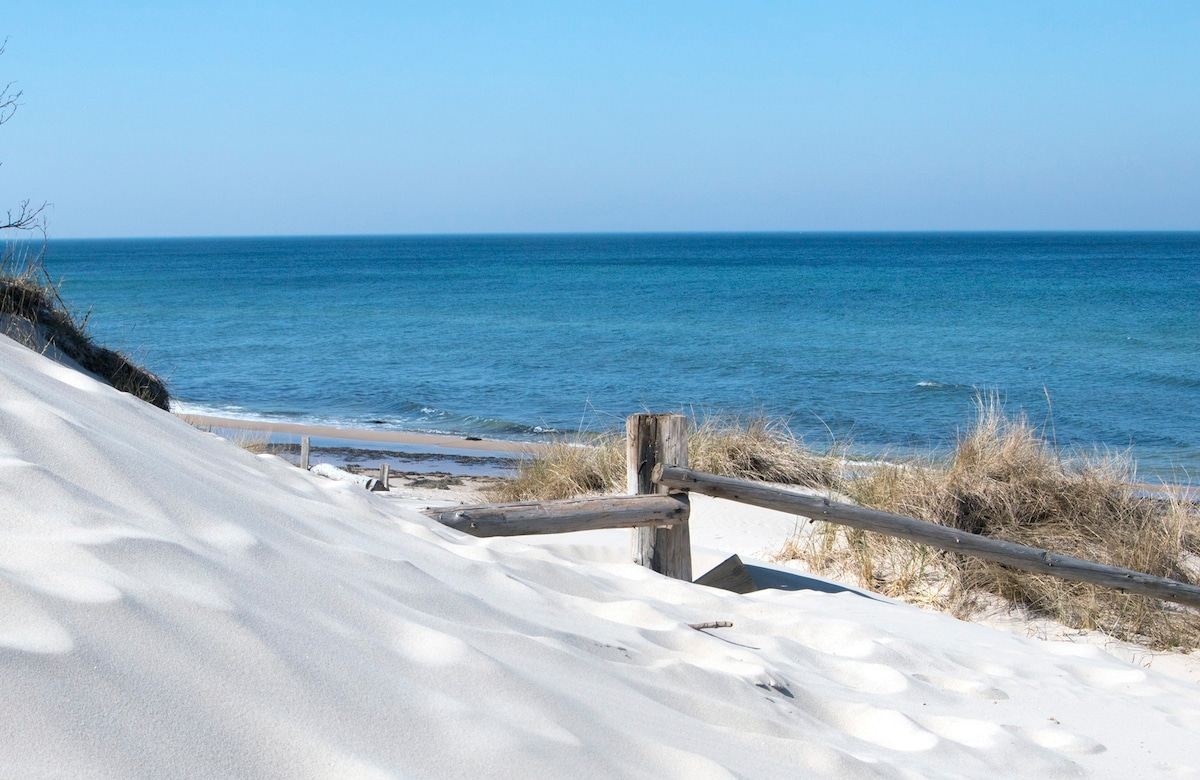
{"points": [[163, 119]]}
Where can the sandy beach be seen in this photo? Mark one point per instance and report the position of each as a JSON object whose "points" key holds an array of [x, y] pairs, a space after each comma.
{"points": [[173, 605]]}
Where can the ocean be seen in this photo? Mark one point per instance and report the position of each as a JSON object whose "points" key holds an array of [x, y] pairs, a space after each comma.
{"points": [[878, 343]]}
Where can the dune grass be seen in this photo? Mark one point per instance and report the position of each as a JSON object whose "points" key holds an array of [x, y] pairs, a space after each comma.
{"points": [[569, 468], [254, 442], [38, 318], [749, 447], [1005, 481], [759, 448]]}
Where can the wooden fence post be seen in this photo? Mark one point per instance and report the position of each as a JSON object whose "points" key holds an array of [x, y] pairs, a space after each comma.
{"points": [[653, 439], [383, 477], [304, 452]]}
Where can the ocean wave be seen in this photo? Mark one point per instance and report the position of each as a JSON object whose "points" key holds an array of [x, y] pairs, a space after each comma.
{"points": [[930, 385], [232, 411]]}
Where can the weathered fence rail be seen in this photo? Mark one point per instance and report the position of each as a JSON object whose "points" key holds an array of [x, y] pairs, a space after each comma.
{"points": [[557, 517], [1018, 556]]}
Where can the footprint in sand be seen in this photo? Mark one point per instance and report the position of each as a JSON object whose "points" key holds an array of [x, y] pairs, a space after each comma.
{"points": [[1134, 682], [884, 727], [843, 638], [978, 734], [866, 677], [1059, 739], [976, 688], [983, 667]]}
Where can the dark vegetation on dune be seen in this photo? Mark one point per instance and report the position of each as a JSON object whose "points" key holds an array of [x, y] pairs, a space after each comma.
{"points": [[30, 296]]}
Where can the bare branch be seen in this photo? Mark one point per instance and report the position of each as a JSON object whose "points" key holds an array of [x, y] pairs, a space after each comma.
{"points": [[8, 99], [8, 103], [26, 218]]}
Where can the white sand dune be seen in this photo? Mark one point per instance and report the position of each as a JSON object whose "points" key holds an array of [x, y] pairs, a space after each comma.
{"points": [[172, 606]]}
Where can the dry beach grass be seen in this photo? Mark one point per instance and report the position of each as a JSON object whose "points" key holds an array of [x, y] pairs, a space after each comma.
{"points": [[1005, 481], [568, 468], [745, 447]]}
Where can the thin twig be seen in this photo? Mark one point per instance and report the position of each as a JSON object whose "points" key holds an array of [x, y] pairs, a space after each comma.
{"points": [[712, 624]]}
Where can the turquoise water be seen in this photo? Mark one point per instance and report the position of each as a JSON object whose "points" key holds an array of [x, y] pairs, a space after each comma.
{"points": [[881, 340]]}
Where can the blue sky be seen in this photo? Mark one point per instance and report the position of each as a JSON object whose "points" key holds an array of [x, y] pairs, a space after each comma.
{"points": [[147, 119]]}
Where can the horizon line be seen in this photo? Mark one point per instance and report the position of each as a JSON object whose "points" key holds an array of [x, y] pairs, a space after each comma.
{"points": [[619, 233]]}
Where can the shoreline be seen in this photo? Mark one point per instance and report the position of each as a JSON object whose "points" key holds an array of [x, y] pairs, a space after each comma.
{"points": [[407, 438]]}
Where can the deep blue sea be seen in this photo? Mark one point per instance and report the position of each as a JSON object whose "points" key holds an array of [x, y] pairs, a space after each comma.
{"points": [[879, 341]]}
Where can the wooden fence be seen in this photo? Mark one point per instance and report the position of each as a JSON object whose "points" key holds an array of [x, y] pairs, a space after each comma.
{"points": [[661, 539], [658, 511]]}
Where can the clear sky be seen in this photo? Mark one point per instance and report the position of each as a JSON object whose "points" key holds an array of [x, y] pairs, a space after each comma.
{"points": [[159, 119]]}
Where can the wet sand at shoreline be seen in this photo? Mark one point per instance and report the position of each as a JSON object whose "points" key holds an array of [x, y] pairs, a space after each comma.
{"points": [[441, 441]]}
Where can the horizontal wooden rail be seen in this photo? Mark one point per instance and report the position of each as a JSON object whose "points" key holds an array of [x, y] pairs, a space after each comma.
{"points": [[1018, 556], [557, 517]]}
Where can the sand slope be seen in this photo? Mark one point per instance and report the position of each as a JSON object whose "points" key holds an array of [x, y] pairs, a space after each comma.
{"points": [[171, 606]]}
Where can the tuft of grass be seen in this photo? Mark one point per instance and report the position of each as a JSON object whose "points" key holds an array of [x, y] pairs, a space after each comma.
{"points": [[758, 448], [1006, 482], [569, 468], [28, 295], [750, 448], [254, 442]]}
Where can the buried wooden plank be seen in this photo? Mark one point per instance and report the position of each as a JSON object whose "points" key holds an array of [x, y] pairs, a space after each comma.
{"points": [[731, 574], [557, 517], [1017, 556]]}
